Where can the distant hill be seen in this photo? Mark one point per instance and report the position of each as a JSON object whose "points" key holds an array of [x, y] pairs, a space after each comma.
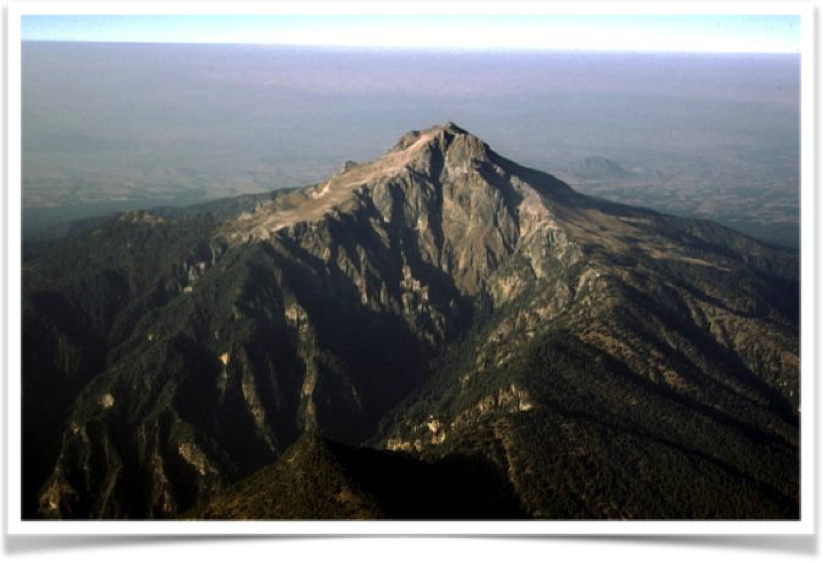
{"points": [[601, 168]]}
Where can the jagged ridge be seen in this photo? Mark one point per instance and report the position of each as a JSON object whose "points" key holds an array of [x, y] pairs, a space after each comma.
{"points": [[319, 310]]}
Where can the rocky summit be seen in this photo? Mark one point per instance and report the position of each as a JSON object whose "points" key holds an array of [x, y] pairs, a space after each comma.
{"points": [[438, 333]]}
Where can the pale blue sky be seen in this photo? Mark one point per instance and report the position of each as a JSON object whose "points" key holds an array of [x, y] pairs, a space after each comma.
{"points": [[698, 33]]}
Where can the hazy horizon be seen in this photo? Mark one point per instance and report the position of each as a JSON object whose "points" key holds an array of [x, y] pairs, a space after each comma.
{"points": [[108, 126]]}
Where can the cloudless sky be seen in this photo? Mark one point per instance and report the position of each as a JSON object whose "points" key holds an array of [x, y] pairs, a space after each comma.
{"points": [[696, 33]]}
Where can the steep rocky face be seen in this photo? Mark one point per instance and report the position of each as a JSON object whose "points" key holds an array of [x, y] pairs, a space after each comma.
{"points": [[195, 347]]}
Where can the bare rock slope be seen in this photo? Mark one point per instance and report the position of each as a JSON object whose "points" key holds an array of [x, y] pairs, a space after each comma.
{"points": [[607, 361]]}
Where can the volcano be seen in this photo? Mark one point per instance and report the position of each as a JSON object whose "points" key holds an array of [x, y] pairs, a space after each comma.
{"points": [[438, 333]]}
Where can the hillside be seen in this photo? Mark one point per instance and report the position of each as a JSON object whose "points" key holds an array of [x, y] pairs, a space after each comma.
{"points": [[584, 359]]}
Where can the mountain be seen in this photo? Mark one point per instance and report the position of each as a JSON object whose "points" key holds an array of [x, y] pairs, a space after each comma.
{"points": [[478, 329]]}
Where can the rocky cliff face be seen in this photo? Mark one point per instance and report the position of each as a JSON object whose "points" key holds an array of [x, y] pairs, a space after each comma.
{"points": [[418, 289]]}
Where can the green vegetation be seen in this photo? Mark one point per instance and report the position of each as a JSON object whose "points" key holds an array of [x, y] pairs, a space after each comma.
{"points": [[320, 480], [523, 350]]}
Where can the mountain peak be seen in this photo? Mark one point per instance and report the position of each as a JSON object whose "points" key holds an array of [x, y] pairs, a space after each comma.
{"points": [[441, 134], [444, 159], [450, 127]]}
